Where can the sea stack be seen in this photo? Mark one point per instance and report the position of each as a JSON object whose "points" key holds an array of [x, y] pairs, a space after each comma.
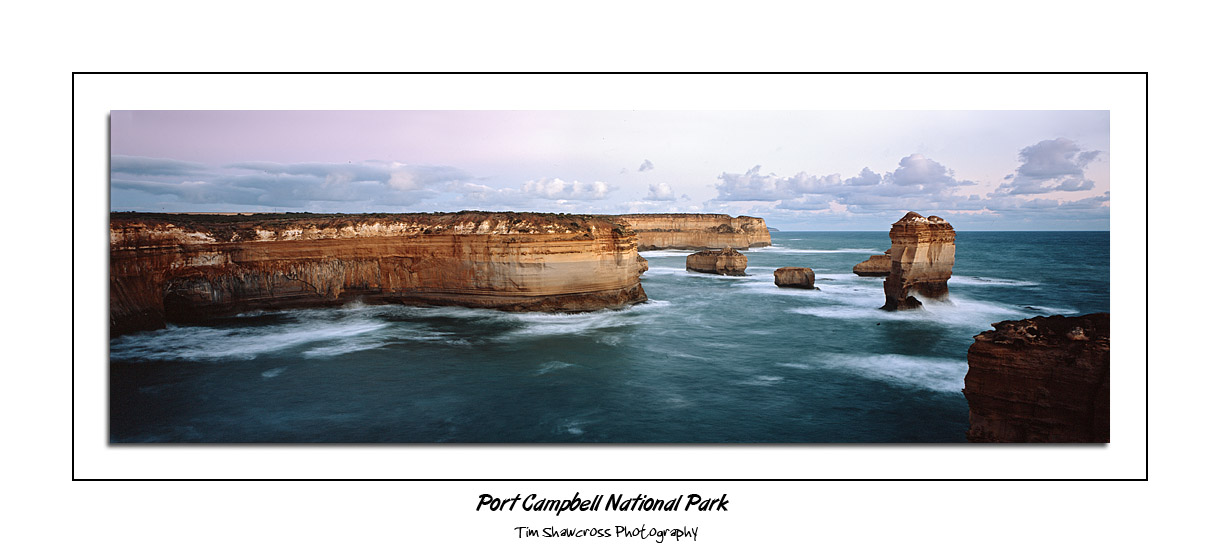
{"points": [[876, 265], [1045, 379], [794, 277], [186, 268], [697, 231], [727, 261], [921, 254]]}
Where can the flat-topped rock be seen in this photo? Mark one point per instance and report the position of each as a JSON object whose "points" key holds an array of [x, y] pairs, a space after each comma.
{"points": [[794, 277], [877, 265], [727, 261]]}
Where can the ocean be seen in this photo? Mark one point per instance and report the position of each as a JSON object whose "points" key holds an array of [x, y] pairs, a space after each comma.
{"points": [[708, 359]]}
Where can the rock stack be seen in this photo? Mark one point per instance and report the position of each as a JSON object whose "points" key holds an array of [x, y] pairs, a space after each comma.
{"points": [[794, 277], [727, 261], [1045, 379], [921, 253]]}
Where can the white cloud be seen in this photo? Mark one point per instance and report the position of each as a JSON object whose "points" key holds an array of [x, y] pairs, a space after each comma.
{"points": [[659, 192], [559, 189]]}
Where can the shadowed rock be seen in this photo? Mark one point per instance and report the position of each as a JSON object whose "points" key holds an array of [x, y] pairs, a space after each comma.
{"points": [[1045, 379]]}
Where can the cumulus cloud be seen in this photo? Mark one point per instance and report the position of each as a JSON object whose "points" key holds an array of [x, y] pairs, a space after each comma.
{"points": [[646, 166], [660, 192], [558, 189], [923, 175], [1049, 166], [866, 178], [917, 182], [922, 184], [755, 186]]}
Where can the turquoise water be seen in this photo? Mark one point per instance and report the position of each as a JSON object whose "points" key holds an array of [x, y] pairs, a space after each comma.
{"points": [[707, 359]]}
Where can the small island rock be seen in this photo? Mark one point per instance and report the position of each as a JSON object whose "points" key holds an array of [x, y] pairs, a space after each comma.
{"points": [[794, 277], [727, 261]]}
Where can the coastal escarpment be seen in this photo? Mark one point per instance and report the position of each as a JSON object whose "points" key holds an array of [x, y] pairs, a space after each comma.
{"points": [[728, 262], [180, 267], [698, 231], [921, 261], [1045, 379]]}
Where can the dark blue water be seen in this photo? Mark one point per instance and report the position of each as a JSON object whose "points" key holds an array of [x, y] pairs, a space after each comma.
{"points": [[707, 359]]}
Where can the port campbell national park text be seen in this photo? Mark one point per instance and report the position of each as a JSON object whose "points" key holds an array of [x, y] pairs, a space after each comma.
{"points": [[609, 276]]}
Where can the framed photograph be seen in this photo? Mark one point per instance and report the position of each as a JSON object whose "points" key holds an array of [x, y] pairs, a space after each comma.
{"points": [[635, 270]]}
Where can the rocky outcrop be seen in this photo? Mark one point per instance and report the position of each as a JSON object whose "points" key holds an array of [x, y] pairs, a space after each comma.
{"points": [[876, 265], [727, 261], [794, 277], [921, 261], [171, 267], [698, 231], [1045, 379]]}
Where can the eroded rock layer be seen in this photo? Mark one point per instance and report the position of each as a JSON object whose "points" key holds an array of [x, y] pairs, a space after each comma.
{"points": [[169, 267], [698, 231], [794, 277], [727, 261], [876, 265], [1045, 379], [921, 261]]}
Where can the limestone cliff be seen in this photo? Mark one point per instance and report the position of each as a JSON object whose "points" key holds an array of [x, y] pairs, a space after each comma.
{"points": [[1045, 379], [698, 231], [794, 277], [921, 261], [178, 267], [727, 261], [875, 265]]}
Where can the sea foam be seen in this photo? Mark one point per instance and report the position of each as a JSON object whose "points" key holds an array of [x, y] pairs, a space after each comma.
{"points": [[932, 373]]}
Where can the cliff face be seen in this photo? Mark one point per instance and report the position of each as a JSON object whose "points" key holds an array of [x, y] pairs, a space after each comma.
{"points": [[794, 277], [191, 267], [1045, 379], [698, 231], [728, 262], [875, 265], [921, 260]]}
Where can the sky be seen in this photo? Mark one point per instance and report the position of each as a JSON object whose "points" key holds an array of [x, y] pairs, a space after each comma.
{"points": [[800, 170]]}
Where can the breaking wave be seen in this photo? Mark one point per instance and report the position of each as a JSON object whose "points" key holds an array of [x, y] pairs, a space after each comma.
{"points": [[988, 281], [932, 373], [188, 343], [785, 249]]}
